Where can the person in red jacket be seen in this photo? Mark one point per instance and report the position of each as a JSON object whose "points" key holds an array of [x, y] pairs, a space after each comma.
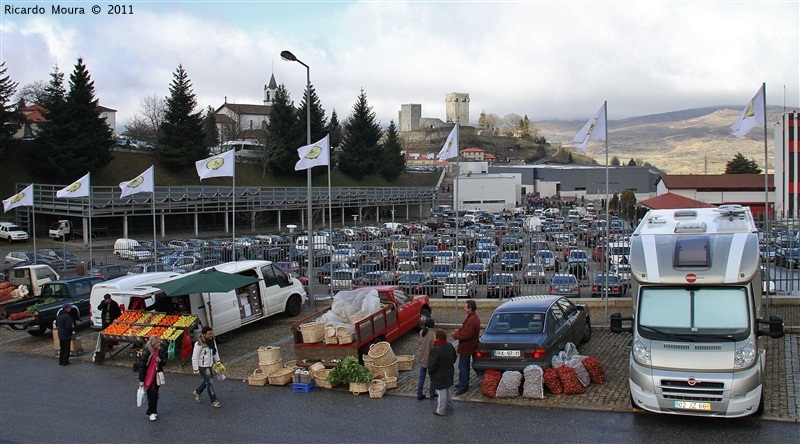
{"points": [[467, 336]]}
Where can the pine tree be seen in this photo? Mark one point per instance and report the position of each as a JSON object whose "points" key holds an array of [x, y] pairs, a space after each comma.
{"points": [[393, 162], [75, 138], [319, 123], [740, 165], [210, 129], [360, 154], [335, 130], [10, 118], [284, 135], [182, 135], [631, 163]]}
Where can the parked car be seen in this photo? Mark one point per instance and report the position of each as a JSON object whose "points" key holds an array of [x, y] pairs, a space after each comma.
{"points": [[624, 272], [418, 283], [533, 274], [108, 271], [460, 285], [18, 257], [12, 232], [345, 278], [406, 267], [565, 285], [530, 330], [546, 259], [511, 260], [428, 253], [439, 272], [479, 270], [148, 267], [379, 277], [324, 272], [502, 285], [577, 256], [611, 282]]}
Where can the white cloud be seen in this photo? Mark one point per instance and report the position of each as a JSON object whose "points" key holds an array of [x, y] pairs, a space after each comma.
{"points": [[543, 59]]}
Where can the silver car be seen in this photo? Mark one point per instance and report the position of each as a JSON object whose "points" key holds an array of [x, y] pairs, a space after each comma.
{"points": [[460, 285]]}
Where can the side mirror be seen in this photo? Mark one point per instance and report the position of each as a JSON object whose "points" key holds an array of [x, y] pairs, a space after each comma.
{"points": [[775, 327], [616, 323]]}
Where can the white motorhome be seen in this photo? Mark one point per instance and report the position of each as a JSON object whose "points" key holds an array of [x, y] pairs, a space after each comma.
{"points": [[274, 293], [120, 290], [697, 346]]}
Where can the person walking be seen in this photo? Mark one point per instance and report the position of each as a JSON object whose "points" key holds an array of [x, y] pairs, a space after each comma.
{"points": [[204, 355], [66, 328], [109, 312], [154, 357], [441, 368], [467, 336], [80, 269], [425, 346]]}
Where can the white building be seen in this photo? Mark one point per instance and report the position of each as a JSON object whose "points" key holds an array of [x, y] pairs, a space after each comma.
{"points": [[487, 192]]}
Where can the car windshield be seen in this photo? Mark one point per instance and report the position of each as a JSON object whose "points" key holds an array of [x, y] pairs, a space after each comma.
{"points": [[442, 268], [474, 267], [563, 280], [412, 278], [516, 323], [501, 278], [694, 311]]}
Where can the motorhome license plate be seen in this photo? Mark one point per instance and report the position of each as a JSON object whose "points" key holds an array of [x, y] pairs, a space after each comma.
{"points": [[506, 353], [692, 405]]}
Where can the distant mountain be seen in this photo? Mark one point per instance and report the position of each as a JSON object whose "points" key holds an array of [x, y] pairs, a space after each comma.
{"points": [[692, 141]]}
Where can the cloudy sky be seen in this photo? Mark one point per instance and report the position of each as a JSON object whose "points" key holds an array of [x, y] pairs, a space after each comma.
{"points": [[547, 60]]}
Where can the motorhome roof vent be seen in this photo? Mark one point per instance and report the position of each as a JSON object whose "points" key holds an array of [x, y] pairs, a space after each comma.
{"points": [[657, 219], [731, 211], [685, 214], [692, 252], [690, 227]]}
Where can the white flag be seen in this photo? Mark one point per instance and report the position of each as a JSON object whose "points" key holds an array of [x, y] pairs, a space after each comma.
{"points": [[752, 116], [316, 154], [450, 147], [220, 165], [595, 129], [79, 188], [22, 199], [144, 183]]}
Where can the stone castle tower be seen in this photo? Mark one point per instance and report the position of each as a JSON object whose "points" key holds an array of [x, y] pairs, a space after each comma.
{"points": [[409, 117], [457, 108], [270, 91]]}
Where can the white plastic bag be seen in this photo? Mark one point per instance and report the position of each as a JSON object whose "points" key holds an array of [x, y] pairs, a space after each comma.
{"points": [[140, 395], [569, 350]]}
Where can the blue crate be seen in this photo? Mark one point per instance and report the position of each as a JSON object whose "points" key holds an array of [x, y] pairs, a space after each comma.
{"points": [[299, 387]]}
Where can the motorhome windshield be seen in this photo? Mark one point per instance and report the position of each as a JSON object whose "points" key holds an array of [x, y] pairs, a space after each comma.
{"points": [[694, 313]]}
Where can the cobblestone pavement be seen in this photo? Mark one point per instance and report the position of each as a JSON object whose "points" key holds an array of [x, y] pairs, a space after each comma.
{"points": [[782, 382]]}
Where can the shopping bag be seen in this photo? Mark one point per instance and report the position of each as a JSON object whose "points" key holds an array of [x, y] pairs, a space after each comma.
{"points": [[140, 395], [219, 370], [171, 350], [160, 379]]}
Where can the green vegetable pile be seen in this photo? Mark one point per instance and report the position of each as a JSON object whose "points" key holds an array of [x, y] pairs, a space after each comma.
{"points": [[349, 370], [47, 301]]}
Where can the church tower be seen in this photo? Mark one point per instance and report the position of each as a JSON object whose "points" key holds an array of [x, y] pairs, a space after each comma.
{"points": [[270, 91]]}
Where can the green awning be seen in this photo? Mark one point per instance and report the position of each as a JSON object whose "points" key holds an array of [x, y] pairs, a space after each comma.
{"points": [[205, 281]]}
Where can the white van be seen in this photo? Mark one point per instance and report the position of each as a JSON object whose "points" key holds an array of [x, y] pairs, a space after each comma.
{"points": [[320, 243], [32, 276], [119, 289], [274, 293], [125, 248]]}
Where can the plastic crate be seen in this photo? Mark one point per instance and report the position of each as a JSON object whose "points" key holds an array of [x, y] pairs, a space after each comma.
{"points": [[299, 387]]}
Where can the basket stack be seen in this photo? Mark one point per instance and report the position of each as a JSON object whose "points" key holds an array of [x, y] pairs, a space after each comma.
{"points": [[312, 332], [381, 360], [330, 335], [269, 359]]}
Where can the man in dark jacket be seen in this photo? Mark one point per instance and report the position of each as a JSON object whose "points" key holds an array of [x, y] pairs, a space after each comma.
{"points": [[109, 309], [66, 328], [467, 336], [440, 368]]}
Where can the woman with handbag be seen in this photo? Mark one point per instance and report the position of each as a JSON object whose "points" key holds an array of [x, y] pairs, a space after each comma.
{"points": [[151, 375]]}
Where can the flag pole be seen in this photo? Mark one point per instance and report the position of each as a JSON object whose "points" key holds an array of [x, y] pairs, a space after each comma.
{"points": [[153, 205], [608, 207], [766, 183], [33, 227], [233, 211], [91, 260], [458, 207], [330, 216]]}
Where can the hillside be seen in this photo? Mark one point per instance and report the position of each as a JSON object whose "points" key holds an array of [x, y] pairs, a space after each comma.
{"points": [[695, 141]]}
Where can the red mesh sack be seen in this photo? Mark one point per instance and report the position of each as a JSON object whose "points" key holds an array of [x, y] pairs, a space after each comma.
{"points": [[569, 380], [595, 370], [491, 379], [552, 381]]}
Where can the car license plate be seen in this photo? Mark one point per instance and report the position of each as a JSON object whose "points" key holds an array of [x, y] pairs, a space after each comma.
{"points": [[692, 405], [506, 353]]}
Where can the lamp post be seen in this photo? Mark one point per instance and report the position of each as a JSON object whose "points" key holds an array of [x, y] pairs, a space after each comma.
{"points": [[289, 57]]}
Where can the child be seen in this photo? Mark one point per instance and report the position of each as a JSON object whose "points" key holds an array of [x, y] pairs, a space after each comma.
{"points": [[441, 368]]}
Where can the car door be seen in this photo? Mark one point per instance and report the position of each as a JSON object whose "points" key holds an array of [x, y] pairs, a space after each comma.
{"points": [[277, 286], [559, 330], [407, 307], [573, 317]]}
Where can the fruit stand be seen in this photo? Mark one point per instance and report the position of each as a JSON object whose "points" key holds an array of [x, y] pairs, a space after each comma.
{"points": [[135, 327]]}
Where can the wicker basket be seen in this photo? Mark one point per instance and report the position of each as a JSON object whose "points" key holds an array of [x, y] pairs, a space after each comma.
{"points": [[258, 378], [269, 354], [380, 371], [316, 366], [331, 340], [321, 379], [291, 364], [357, 388], [377, 388], [312, 332], [330, 331], [382, 353], [281, 377], [390, 381], [405, 362], [347, 338], [270, 368]]}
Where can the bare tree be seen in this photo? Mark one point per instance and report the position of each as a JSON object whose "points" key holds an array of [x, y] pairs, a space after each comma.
{"points": [[32, 93], [145, 124], [233, 128], [268, 151]]}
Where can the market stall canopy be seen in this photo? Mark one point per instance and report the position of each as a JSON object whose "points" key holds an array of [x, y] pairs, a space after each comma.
{"points": [[205, 281]]}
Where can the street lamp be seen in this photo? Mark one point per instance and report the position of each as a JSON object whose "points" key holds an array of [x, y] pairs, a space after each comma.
{"points": [[289, 57]]}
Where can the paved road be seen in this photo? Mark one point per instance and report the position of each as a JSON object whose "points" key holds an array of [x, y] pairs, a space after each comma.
{"points": [[43, 402]]}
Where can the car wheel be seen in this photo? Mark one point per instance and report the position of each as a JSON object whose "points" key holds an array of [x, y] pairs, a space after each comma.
{"points": [[293, 305], [424, 315], [587, 332]]}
